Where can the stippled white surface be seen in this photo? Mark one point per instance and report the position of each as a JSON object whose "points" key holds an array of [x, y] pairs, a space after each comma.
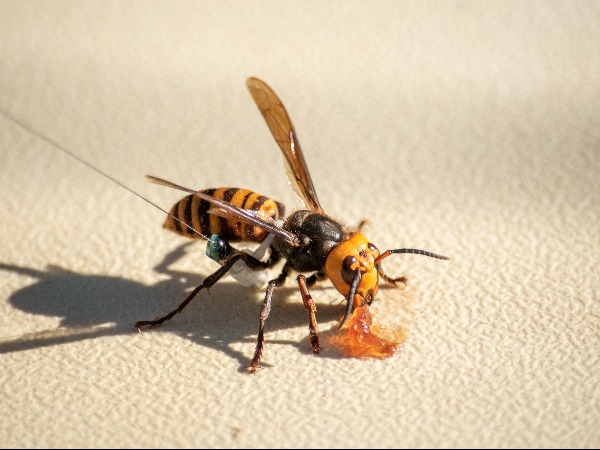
{"points": [[467, 128]]}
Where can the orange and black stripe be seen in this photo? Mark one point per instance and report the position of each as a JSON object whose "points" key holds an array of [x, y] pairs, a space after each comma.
{"points": [[193, 211]]}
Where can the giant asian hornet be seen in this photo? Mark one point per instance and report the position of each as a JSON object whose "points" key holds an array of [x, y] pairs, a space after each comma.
{"points": [[309, 241]]}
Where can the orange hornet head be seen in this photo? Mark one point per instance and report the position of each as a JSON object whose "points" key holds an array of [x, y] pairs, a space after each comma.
{"points": [[352, 269]]}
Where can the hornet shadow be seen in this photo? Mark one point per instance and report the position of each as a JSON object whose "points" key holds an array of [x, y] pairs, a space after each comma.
{"points": [[93, 306]]}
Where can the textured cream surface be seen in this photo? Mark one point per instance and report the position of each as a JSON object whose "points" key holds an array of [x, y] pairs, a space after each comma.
{"points": [[467, 128]]}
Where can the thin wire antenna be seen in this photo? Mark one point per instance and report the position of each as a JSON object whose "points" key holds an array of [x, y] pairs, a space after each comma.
{"points": [[57, 146]]}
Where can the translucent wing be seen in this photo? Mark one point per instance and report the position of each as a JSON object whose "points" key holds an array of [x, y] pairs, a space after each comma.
{"points": [[228, 211], [283, 131]]}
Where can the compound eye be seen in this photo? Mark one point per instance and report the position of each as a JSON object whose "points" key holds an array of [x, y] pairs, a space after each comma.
{"points": [[349, 266], [374, 249]]}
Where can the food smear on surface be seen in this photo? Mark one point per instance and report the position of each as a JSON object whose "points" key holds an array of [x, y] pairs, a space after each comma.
{"points": [[363, 337]]}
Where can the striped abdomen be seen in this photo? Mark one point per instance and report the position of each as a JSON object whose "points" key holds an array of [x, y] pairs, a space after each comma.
{"points": [[194, 211]]}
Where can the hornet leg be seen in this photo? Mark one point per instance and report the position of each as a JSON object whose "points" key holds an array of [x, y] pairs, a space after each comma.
{"points": [[317, 276], [207, 283], [264, 315], [310, 306], [389, 280]]}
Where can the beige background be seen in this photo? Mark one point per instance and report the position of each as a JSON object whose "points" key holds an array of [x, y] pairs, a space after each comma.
{"points": [[466, 128]]}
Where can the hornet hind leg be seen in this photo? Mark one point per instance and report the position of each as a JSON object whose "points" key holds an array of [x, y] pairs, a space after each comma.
{"points": [[210, 280], [264, 315]]}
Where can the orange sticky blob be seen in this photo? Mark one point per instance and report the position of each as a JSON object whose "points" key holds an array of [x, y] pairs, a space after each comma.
{"points": [[363, 337]]}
